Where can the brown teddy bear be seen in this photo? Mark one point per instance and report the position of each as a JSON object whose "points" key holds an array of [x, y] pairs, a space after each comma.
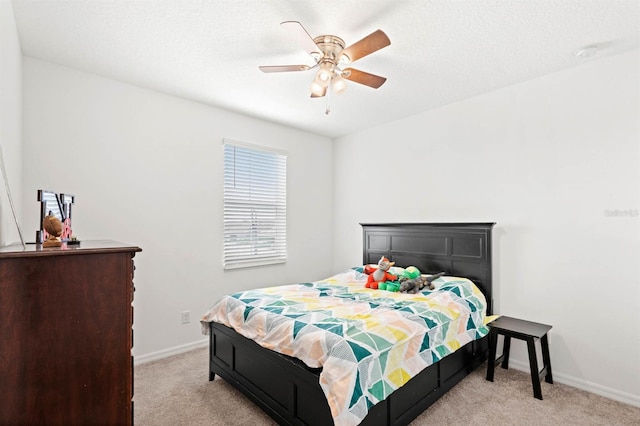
{"points": [[53, 226]]}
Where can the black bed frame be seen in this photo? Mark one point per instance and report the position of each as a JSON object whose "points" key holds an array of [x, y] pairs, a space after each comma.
{"points": [[289, 391]]}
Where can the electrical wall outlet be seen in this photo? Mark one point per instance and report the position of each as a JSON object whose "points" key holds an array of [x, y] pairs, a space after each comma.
{"points": [[186, 317]]}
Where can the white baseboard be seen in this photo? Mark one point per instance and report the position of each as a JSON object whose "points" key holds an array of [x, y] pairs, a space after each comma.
{"points": [[153, 356], [585, 385], [565, 379]]}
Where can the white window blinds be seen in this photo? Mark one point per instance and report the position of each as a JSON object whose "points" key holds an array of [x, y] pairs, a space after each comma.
{"points": [[255, 206]]}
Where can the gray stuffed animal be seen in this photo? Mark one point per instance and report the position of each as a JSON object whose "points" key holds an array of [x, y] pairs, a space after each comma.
{"points": [[414, 285]]}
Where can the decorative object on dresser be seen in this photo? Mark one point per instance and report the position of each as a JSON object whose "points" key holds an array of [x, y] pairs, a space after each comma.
{"points": [[53, 226], [66, 337], [59, 206], [290, 391]]}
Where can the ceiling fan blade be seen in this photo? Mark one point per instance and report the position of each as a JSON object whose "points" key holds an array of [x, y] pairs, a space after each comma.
{"points": [[284, 68], [324, 92], [362, 77], [297, 31], [371, 43]]}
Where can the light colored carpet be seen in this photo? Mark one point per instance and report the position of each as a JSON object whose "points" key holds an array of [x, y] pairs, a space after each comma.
{"points": [[177, 391]]}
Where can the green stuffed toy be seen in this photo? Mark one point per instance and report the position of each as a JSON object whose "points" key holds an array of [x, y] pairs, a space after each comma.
{"points": [[389, 286], [411, 272]]}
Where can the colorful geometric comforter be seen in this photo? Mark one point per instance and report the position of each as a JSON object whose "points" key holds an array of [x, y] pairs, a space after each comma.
{"points": [[368, 342]]}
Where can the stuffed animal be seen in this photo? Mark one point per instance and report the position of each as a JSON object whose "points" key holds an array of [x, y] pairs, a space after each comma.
{"points": [[428, 279], [411, 272], [380, 274], [392, 286], [54, 228], [414, 285]]}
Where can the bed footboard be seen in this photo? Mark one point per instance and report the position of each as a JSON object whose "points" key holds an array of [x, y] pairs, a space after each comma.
{"points": [[290, 392]]}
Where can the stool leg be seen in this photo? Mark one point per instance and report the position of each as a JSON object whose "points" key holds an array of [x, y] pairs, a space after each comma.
{"points": [[546, 358], [533, 365], [505, 352], [491, 362]]}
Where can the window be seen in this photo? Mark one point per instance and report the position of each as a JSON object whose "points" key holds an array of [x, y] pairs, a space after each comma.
{"points": [[255, 206]]}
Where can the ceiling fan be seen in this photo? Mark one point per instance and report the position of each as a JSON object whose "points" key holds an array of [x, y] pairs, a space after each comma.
{"points": [[331, 58]]}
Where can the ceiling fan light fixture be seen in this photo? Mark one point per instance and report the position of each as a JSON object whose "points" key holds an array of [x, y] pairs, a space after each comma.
{"points": [[325, 72], [322, 80], [338, 84], [316, 89]]}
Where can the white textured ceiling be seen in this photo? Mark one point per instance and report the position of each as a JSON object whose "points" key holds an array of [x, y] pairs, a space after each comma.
{"points": [[441, 51]]}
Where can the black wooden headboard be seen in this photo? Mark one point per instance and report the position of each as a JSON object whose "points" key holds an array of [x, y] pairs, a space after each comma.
{"points": [[459, 249]]}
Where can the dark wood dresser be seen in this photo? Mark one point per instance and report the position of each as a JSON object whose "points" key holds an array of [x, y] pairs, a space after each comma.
{"points": [[66, 334]]}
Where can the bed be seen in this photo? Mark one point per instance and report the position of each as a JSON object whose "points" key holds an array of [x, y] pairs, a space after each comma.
{"points": [[293, 393]]}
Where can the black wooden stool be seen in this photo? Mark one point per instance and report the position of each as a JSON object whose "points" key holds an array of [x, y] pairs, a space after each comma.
{"points": [[523, 330]]}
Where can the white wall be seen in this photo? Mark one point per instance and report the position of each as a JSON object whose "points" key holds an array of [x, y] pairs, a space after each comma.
{"points": [[146, 168], [546, 160], [10, 122]]}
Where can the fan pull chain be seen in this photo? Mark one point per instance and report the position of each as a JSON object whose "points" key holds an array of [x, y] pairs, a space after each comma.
{"points": [[328, 108]]}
